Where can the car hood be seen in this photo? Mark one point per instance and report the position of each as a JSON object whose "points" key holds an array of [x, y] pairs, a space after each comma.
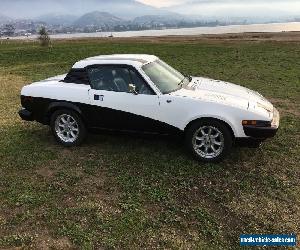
{"points": [[224, 92]]}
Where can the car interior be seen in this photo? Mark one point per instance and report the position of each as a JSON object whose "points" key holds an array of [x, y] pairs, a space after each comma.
{"points": [[117, 79]]}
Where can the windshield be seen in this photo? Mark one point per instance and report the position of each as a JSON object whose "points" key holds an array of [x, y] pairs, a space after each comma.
{"points": [[164, 76]]}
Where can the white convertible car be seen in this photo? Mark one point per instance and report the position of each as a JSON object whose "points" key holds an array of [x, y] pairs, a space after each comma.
{"points": [[141, 93]]}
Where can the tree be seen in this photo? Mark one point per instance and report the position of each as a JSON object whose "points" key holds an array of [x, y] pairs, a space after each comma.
{"points": [[44, 37], [9, 30]]}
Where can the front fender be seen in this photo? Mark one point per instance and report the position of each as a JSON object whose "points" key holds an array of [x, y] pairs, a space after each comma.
{"points": [[235, 131]]}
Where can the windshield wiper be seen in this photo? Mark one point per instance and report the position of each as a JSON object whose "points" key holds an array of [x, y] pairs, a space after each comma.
{"points": [[186, 77], [181, 82]]}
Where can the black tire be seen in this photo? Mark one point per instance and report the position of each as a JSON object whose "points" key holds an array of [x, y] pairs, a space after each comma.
{"points": [[225, 139], [80, 135]]}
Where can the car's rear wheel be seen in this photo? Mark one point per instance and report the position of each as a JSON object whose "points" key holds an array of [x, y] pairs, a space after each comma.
{"points": [[68, 128], [209, 140]]}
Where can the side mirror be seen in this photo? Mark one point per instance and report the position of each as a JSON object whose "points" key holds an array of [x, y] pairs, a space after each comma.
{"points": [[132, 89]]}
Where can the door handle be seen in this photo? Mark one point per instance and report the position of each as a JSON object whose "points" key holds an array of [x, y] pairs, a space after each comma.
{"points": [[169, 101], [99, 98]]}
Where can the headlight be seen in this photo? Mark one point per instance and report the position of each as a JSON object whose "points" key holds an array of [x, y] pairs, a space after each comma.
{"points": [[265, 107], [276, 118]]}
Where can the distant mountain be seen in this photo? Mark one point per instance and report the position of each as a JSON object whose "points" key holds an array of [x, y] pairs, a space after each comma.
{"points": [[169, 19], [97, 18], [57, 19], [4, 19], [127, 9]]}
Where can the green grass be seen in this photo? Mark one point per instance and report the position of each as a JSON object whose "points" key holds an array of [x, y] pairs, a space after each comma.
{"points": [[122, 191]]}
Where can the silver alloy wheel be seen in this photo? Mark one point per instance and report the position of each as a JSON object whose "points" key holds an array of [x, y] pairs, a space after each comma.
{"points": [[208, 142], [66, 128]]}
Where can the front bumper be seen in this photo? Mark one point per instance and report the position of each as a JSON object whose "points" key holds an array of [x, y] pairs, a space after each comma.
{"points": [[260, 133], [264, 132], [26, 115]]}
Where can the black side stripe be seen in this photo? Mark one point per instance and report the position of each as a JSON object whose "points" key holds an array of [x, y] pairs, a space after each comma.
{"points": [[99, 117]]}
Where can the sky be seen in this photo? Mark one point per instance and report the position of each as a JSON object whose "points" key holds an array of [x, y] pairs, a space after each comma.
{"points": [[221, 7]]}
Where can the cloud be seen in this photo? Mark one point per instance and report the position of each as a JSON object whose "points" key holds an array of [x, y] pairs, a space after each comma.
{"points": [[162, 3], [288, 5]]}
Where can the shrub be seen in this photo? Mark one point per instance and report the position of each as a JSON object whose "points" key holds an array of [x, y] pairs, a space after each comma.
{"points": [[44, 37]]}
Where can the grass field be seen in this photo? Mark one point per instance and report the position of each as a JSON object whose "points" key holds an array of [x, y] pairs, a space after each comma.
{"points": [[121, 191]]}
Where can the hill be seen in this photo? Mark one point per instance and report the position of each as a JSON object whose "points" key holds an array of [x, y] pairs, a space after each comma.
{"points": [[33, 8], [97, 18], [169, 19]]}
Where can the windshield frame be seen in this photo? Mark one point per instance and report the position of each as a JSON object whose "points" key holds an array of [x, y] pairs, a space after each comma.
{"points": [[185, 80]]}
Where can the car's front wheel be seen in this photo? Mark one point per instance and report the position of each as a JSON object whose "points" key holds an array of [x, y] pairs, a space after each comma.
{"points": [[68, 128], [209, 140]]}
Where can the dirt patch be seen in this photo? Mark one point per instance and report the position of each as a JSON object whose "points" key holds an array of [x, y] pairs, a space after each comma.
{"points": [[262, 210], [2, 219], [102, 192], [45, 172], [176, 239], [286, 106], [221, 213], [45, 242]]}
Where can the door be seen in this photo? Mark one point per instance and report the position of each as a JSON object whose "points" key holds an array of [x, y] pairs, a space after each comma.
{"points": [[115, 107]]}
